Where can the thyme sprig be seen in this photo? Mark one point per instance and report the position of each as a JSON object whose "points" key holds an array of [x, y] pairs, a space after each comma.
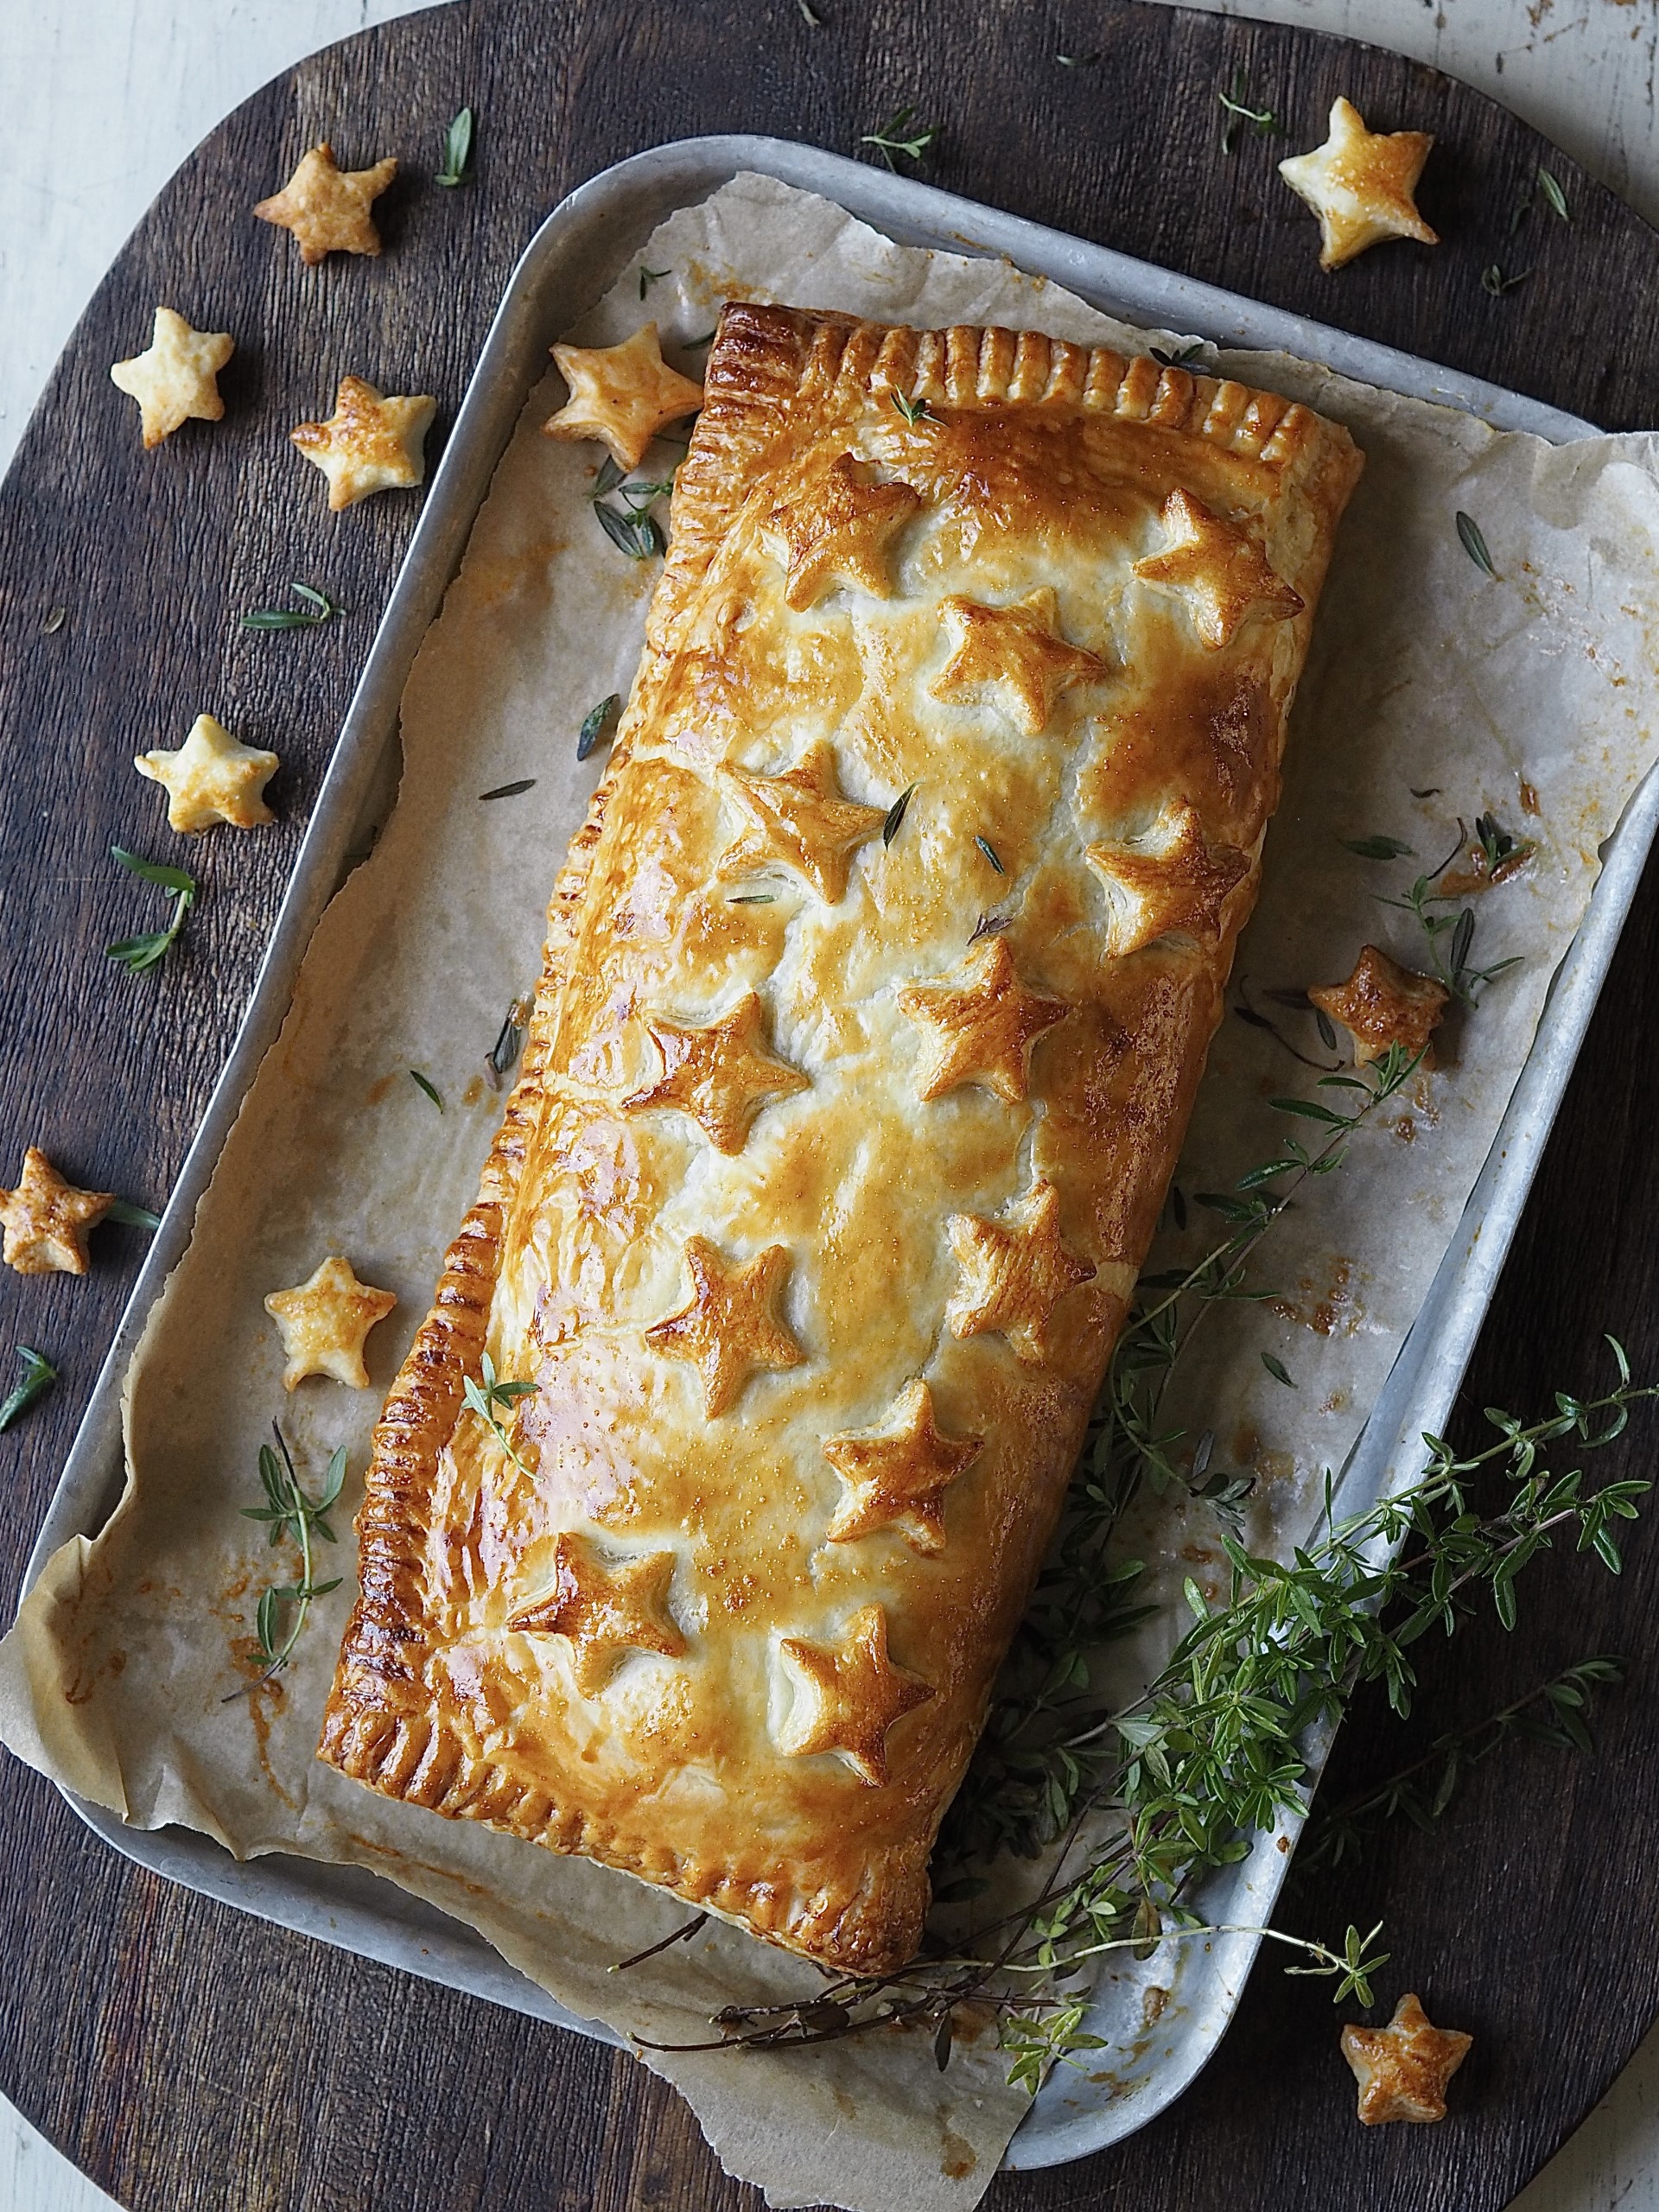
{"points": [[1448, 937], [490, 1399], [37, 1378], [289, 1511], [457, 151], [915, 411], [1553, 1712], [319, 607], [139, 953], [631, 527], [1235, 102], [901, 134]]}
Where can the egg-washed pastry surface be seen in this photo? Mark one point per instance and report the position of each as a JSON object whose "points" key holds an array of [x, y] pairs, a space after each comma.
{"points": [[842, 1125]]}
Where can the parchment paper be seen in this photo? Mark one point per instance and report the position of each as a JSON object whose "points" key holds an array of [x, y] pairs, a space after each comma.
{"points": [[1426, 673]]}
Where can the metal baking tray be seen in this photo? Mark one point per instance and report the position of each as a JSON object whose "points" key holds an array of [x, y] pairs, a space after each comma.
{"points": [[575, 256]]}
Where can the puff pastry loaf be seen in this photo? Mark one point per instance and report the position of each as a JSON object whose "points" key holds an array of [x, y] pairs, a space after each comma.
{"points": [[834, 1153]]}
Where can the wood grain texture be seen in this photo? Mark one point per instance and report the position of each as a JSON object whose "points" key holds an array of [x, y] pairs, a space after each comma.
{"points": [[192, 2060]]}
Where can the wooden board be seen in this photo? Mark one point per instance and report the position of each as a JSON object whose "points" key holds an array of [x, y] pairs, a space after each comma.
{"points": [[189, 2057]]}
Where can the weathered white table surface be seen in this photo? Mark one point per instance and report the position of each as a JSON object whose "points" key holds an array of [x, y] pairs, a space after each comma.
{"points": [[103, 98]]}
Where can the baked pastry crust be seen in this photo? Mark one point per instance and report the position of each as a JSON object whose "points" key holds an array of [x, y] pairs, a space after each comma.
{"points": [[812, 1219]]}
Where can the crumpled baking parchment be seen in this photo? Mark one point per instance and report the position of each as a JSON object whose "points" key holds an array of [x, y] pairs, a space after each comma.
{"points": [[1531, 695]]}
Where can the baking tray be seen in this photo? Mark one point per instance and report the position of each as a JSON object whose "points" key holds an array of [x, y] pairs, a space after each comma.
{"points": [[575, 256]]}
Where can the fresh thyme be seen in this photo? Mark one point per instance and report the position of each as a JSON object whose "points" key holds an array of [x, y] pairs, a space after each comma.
{"points": [[1236, 103], [753, 898], [1378, 849], [139, 953], [632, 527], [56, 617], [1183, 359], [1554, 197], [425, 1083], [596, 723], [1449, 938], [990, 925], [913, 410], [490, 1399], [650, 277], [1077, 61], [287, 1511], [896, 813], [1493, 280], [901, 134], [1474, 543], [1299, 1002], [37, 1378], [319, 607], [131, 1216], [989, 851], [1553, 1713], [514, 790], [1279, 1372], [503, 1056], [457, 150]]}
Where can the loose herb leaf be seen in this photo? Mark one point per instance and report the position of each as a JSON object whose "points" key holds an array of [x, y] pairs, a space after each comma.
{"points": [[650, 277], [1493, 280], [989, 851], [138, 954], [636, 535], [1473, 543], [913, 410], [31, 1386], [169, 878], [1236, 103], [1550, 186], [990, 925], [503, 1056], [896, 814], [901, 134], [56, 617], [512, 790], [596, 723], [1077, 61], [131, 1216], [319, 607], [1185, 358], [457, 150], [1378, 849], [753, 898], [1279, 1372], [814, 22], [426, 1083]]}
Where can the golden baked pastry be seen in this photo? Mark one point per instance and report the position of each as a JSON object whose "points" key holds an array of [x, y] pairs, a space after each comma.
{"points": [[327, 207], [370, 444], [1402, 2070], [175, 379], [843, 1126], [325, 1321], [621, 395], [1360, 184], [212, 777], [46, 1221], [1383, 1005]]}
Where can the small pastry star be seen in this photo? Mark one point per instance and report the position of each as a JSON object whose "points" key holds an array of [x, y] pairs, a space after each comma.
{"points": [[46, 1221], [1359, 184], [1015, 1273], [324, 1321], [898, 1477], [727, 1328], [1018, 647], [175, 380], [1171, 881], [622, 395], [604, 1610], [211, 777], [327, 207], [369, 444], [721, 1076], [849, 1695], [980, 1030], [1402, 2070], [1221, 571], [839, 533], [801, 818], [1382, 1004]]}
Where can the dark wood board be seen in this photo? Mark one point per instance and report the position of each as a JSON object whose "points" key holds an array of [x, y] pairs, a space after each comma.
{"points": [[191, 2059]]}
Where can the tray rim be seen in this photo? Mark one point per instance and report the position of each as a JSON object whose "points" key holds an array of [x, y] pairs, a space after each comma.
{"points": [[358, 1911]]}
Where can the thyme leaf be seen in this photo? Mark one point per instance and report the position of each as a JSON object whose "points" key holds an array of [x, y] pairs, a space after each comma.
{"points": [[1077, 61], [1554, 197], [512, 790], [1235, 102], [457, 150], [131, 1216], [139, 953], [650, 277], [492, 1400], [37, 1378], [1378, 849], [1279, 1372], [1493, 280], [901, 134], [1183, 359], [596, 724], [814, 22], [896, 813], [56, 617], [503, 1056], [913, 410], [319, 607], [989, 851], [1474, 544], [426, 1083]]}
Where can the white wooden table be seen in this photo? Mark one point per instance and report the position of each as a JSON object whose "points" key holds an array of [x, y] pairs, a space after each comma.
{"points": [[103, 98]]}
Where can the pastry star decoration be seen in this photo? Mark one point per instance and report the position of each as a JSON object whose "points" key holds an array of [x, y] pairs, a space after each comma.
{"points": [[1382, 1004], [211, 777], [721, 1076], [1018, 647], [324, 1321], [369, 444], [622, 395], [1015, 1273], [175, 381], [327, 207], [980, 1030], [1221, 571], [849, 1695], [1402, 2070], [1172, 879], [727, 1328], [898, 1477], [801, 818], [46, 1220], [839, 532], [1359, 184], [604, 1609]]}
